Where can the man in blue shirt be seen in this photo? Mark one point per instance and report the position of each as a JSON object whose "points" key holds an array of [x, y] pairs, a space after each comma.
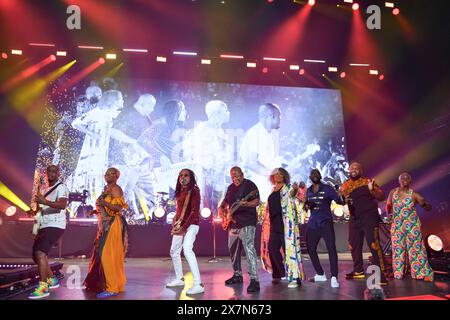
{"points": [[320, 225]]}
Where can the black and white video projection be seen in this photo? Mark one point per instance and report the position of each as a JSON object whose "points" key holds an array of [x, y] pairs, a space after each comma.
{"points": [[150, 130]]}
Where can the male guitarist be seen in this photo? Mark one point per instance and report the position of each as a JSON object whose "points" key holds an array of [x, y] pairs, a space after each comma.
{"points": [[52, 203], [242, 227]]}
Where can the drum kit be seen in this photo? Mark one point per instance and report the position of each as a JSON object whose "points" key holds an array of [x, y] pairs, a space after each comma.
{"points": [[164, 205]]}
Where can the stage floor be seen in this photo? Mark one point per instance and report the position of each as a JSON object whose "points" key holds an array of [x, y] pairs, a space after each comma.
{"points": [[146, 280]]}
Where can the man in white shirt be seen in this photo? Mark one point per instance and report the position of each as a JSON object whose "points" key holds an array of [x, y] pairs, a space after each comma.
{"points": [[52, 201], [257, 151], [207, 147]]}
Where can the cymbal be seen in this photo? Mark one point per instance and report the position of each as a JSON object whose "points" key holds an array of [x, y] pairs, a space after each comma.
{"points": [[162, 192]]}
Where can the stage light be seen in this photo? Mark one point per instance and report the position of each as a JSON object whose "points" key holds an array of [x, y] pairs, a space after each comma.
{"points": [[435, 243], [16, 52], [205, 213], [396, 11], [332, 69], [381, 77], [161, 59], [170, 216], [10, 211], [251, 65], [270, 1], [111, 56], [314, 61], [355, 6], [273, 59], [101, 60], [359, 65], [375, 72], [389, 4], [231, 56], [185, 53], [217, 220], [265, 70], [348, 1], [311, 2], [343, 75], [52, 57], [159, 212], [301, 72], [206, 61], [135, 50], [61, 53], [294, 67], [4, 55], [42, 44], [91, 47]]}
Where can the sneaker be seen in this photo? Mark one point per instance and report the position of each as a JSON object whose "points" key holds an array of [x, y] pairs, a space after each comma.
{"points": [[253, 286], [197, 288], [53, 283], [40, 292], [293, 284], [234, 279], [334, 282], [106, 294], [355, 275], [175, 283], [320, 278]]}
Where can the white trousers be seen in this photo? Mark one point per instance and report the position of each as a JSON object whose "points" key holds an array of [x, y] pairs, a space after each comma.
{"points": [[186, 243]]}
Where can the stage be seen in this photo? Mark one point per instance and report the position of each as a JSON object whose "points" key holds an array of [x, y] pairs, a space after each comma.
{"points": [[146, 279]]}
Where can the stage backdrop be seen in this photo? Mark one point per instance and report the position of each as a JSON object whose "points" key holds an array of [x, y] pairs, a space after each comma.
{"points": [[150, 130]]}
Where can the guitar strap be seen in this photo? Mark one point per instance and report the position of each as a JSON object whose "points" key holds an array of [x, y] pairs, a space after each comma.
{"points": [[50, 191]]}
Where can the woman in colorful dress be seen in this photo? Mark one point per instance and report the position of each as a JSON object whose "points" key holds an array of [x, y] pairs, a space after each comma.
{"points": [[280, 239], [406, 231], [107, 267]]}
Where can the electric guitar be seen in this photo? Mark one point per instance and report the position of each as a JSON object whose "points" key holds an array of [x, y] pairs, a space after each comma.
{"points": [[227, 217]]}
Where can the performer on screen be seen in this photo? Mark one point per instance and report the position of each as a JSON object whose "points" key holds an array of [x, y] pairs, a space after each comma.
{"points": [[106, 274], [207, 147], [93, 160], [185, 229], [52, 203], [281, 222], [361, 195], [243, 196], [258, 152], [406, 234], [131, 157]]}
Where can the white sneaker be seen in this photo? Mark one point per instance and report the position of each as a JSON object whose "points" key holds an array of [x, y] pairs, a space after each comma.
{"points": [[197, 288], [321, 278], [175, 283], [293, 284], [334, 282]]}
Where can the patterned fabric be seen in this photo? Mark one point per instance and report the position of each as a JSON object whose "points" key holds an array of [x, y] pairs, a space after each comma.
{"points": [[350, 185], [291, 210], [407, 238], [243, 237]]}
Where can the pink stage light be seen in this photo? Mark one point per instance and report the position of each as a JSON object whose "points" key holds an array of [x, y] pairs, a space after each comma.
{"points": [[101, 60], [311, 2], [265, 70], [4, 55], [343, 75], [301, 72], [52, 57], [355, 6], [396, 11], [381, 77]]}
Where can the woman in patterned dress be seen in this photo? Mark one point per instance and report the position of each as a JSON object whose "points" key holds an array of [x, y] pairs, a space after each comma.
{"points": [[406, 231], [280, 239]]}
